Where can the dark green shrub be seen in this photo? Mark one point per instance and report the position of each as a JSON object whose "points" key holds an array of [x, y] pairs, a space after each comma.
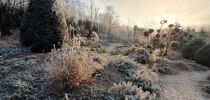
{"points": [[43, 24], [41, 46], [191, 47], [202, 56], [10, 16]]}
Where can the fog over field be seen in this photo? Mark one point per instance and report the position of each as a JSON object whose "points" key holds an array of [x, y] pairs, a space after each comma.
{"points": [[193, 13]]}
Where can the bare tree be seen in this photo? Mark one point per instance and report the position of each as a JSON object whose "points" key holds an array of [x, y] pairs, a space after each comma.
{"points": [[109, 19]]}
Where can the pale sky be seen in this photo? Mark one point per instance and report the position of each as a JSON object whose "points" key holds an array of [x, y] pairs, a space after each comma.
{"points": [[194, 13]]}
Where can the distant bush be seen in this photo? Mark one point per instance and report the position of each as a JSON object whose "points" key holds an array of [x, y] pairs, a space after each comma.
{"points": [[43, 22], [10, 16], [202, 56], [69, 70], [191, 47]]}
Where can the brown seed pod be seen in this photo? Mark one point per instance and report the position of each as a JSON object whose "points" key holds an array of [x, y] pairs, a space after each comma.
{"points": [[149, 47], [146, 34], [176, 30], [151, 31], [151, 52], [164, 35], [162, 45], [163, 21], [157, 35], [171, 25], [155, 41], [158, 30]]}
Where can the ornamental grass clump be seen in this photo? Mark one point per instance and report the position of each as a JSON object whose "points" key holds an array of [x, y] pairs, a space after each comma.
{"points": [[70, 69]]}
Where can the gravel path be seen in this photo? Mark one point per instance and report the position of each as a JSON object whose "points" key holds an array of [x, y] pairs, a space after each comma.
{"points": [[186, 85]]}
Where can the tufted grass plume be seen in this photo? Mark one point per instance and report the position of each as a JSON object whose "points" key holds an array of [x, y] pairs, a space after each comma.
{"points": [[72, 68]]}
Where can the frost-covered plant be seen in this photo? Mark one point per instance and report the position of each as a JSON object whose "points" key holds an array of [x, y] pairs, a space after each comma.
{"points": [[127, 90], [124, 65], [26, 85], [71, 68], [7, 66], [146, 74], [11, 51], [132, 49], [164, 39], [138, 53], [146, 85], [155, 41]]}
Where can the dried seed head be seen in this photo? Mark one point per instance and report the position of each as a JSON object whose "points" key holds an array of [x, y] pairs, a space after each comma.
{"points": [[146, 34], [158, 30], [149, 47], [176, 30], [151, 52], [162, 45], [155, 41], [163, 21], [164, 35], [157, 35], [171, 25], [151, 31]]}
